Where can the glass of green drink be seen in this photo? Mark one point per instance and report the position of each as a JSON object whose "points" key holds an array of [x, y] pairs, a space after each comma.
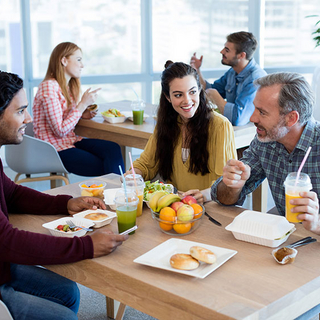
{"points": [[137, 111], [126, 209]]}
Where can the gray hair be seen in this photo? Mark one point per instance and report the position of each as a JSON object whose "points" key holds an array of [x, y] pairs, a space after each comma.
{"points": [[295, 94]]}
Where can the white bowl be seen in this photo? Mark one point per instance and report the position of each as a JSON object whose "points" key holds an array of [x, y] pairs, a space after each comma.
{"points": [[114, 119], [96, 223], [109, 195], [261, 228], [77, 221]]}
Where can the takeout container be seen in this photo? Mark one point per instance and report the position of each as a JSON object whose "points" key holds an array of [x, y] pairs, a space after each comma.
{"points": [[87, 191], [109, 195], [97, 223], [77, 221], [261, 228], [177, 228], [114, 119]]}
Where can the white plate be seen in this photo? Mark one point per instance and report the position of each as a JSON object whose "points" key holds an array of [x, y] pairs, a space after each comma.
{"points": [[128, 114], [159, 257]]}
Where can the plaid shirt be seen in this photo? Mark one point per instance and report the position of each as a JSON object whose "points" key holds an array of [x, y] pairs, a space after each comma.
{"points": [[52, 121], [272, 161]]}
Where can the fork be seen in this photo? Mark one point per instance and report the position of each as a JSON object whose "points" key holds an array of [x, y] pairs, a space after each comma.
{"points": [[72, 226]]}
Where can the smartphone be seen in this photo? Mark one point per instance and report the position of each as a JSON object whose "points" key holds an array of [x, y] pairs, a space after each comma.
{"points": [[129, 230]]}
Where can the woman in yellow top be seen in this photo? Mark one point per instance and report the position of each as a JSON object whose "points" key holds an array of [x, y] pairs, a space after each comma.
{"points": [[191, 143]]}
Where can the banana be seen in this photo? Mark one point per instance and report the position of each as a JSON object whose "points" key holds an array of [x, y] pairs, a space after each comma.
{"points": [[153, 202], [166, 200]]}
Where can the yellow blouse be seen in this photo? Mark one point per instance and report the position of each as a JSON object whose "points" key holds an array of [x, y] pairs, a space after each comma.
{"points": [[221, 147]]}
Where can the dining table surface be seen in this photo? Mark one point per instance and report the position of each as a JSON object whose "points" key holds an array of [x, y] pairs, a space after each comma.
{"points": [[249, 285]]}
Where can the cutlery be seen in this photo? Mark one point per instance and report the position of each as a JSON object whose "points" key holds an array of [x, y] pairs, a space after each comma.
{"points": [[213, 220], [72, 226], [301, 242]]}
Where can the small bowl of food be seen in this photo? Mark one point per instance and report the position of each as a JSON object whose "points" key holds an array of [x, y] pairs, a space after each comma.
{"points": [[92, 188], [179, 219], [151, 187], [113, 116], [61, 228], [99, 217]]}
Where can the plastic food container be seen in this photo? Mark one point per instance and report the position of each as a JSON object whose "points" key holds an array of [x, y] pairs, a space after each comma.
{"points": [[92, 188], [96, 223], [261, 228], [109, 196], [77, 221]]}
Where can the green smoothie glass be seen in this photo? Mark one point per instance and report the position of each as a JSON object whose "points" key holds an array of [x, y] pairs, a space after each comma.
{"points": [[137, 107], [126, 209]]}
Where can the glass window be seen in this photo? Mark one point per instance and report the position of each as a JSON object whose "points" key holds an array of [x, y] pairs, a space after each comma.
{"points": [[107, 31], [288, 33], [11, 59], [182, 27]]}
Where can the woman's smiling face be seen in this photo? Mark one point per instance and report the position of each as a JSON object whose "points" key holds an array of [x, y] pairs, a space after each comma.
{"points": [[184, 96]]}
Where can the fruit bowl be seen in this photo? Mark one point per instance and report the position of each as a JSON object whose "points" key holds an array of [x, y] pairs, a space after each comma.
{"points": [[92, 188], [169, 223]]}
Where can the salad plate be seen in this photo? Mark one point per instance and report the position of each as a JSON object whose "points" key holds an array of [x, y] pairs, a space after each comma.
{"points": [[151, 187]]}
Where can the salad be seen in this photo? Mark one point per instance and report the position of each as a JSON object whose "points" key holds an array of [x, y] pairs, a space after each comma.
{"points": [[151, 187], [66, 228], [112, 113]]}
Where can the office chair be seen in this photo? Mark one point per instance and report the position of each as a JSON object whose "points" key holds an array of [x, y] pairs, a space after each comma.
{"points": [[34, 156]]}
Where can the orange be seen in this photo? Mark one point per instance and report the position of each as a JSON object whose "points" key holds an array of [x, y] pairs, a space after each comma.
{"points": [[197, 211], [182, 227], [93, 186], [167, 214]]}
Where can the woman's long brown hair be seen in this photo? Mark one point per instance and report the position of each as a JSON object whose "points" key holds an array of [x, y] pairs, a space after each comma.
{"points": [[167, 129], [56, 71]]}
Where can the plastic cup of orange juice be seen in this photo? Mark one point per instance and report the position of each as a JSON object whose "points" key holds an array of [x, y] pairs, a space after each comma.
{"points": [[292, 190], [136, 185]]}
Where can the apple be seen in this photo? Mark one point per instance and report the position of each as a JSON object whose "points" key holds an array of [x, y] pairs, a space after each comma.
{"points": [[185, 213], [189, 200], [176, 205]]}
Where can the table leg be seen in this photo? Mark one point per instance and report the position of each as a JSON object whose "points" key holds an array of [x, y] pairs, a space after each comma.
{"points": [[110, 308]]}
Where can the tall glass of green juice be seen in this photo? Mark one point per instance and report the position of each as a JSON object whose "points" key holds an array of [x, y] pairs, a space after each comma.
{"points": [[138, 107], [126, 209]]}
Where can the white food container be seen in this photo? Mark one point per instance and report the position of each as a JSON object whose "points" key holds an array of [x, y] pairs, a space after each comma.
{"points": [[109, 195], [78, 222], [96, 223], [261, 228], [114, 119]]}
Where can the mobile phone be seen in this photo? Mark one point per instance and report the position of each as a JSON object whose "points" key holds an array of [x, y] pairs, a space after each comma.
{"points": [[129, 230]]}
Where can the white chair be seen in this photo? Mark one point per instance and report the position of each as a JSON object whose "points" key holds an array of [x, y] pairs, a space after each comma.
{"points": [[4, 312], [35, 156]]}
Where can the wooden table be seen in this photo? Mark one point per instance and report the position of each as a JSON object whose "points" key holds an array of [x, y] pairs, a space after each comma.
{"points": [[251, 285]]}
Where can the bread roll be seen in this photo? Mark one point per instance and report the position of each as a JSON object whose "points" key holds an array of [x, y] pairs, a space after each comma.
{"points": [[96, 216], [203, 254], [183, 261], [93, 107]]}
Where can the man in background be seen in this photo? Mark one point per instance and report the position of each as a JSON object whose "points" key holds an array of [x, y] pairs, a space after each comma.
{"points": [[234, 92]]}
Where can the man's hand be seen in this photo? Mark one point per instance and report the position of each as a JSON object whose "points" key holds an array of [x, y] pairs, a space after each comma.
{"points": [[195, 62], [235, 174], [215, 97], [105, 242], [309, 205], [76, 205]]}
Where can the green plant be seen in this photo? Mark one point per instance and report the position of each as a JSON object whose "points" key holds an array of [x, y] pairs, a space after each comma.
{"points": [[317, 31]]}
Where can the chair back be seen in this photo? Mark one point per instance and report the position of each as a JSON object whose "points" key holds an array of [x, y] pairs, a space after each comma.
{"points": [[316, 90], [32, 156], [4, 312]]}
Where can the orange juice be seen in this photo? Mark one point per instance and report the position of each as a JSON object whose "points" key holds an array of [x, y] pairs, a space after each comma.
{"points": [[140, 205], [291, 216]]}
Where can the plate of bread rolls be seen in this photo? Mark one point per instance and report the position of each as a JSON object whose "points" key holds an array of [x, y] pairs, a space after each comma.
{"points": [[186, 257]]}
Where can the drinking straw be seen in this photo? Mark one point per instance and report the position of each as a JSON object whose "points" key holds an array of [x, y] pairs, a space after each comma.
{"points": [[124, 185], [301, 165], [133, 173], [135, 93]]}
